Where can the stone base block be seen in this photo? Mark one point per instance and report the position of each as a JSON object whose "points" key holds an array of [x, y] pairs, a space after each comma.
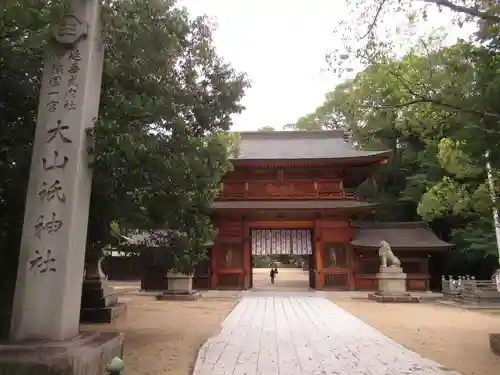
{"points": [[99, 303], [102, 314], [179, 282], [95, 293], [495, 343], [480, 298], [102, 297], [451, 296], [392, 280], [393, 297], [86, 354], [493, 307], [392, 270], [168, 295]]}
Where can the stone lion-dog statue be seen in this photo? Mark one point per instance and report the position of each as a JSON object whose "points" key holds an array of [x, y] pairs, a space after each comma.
{"points": [[387, 257]]}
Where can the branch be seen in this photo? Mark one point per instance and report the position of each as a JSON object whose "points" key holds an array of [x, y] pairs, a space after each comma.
{"points": [[424, 99], [435, 102], [375, 19], [444, 3], [462, 9], [440, 104], [395, 106]]}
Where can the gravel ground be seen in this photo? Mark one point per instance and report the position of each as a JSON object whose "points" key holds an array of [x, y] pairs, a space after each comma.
{"points": [[163, 337], [455, 338]]}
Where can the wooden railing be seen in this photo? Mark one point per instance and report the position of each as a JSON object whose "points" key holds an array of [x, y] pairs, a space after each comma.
{"points": [[292, 189], [288, 195]]}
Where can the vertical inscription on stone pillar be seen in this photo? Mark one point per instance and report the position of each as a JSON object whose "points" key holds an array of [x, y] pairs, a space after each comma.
{"points": [[48, 288], [52, 194]]}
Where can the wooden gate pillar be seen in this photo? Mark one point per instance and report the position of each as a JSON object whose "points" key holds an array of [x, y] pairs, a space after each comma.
{"points": [[247, 256], [318, 254], [213, 267], [351, 263]]}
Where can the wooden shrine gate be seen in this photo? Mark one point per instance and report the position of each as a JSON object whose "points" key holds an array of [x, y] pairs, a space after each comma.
{"points": [[284, 242], [324, 241]]}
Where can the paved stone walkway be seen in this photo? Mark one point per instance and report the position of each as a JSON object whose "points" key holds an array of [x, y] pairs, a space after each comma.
{"points": [[301, 334]]}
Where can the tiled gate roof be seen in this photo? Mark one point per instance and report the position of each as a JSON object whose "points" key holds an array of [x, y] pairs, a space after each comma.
{"points": [[409, 235], [295, 145]]}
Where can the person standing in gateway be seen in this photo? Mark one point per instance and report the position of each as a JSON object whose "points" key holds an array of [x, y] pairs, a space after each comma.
{"points": [[273, 273]]}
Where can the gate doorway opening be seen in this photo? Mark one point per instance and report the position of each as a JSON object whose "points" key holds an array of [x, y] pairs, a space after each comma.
{"points": [[291, 251]]}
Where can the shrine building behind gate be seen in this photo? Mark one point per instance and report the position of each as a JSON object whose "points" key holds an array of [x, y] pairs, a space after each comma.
{"points": [[293, 193]]}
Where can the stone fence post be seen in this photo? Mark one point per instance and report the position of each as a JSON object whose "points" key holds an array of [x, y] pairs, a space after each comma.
{"points": [[473, 284]]}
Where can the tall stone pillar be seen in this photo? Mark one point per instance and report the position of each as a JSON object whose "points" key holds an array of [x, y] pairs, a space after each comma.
{"points": [[44, 329], [51, 262]]}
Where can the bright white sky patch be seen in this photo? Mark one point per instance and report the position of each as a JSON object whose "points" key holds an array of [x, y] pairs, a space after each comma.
{"points": [[281, 45]]}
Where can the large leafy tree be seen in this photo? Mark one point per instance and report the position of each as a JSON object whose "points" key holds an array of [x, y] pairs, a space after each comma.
{"points": [[173, 98], [436, 108], [371, 22], [435, 113], [472, 115], [166, 96], [372, 107], [473, 63]]}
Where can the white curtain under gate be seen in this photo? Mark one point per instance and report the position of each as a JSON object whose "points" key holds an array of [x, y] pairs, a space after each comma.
{"points": [[281, 241]]}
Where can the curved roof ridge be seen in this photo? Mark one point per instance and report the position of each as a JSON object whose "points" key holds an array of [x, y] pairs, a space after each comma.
{"points": [[391, 224], [399, 235], [302, 145], [279, 134]]}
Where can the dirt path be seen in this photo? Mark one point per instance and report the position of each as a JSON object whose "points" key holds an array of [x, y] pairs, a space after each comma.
{"points": [[163, 337], [286, 278], [457, 339]]}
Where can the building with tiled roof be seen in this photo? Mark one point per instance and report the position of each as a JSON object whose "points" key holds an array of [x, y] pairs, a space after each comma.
{"points": [[292, 192]]}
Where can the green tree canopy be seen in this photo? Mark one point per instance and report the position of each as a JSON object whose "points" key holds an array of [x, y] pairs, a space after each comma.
{"points": [[166, 96], [436, 109]]}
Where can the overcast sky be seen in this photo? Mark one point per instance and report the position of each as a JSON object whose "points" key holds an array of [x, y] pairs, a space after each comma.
{"points": [[281, 45]]}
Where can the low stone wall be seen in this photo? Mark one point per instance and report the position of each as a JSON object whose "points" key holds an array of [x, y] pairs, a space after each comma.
{"points": [[466, 289], [452, 288]]}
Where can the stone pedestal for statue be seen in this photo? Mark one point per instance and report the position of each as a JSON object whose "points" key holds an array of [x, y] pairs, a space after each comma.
{"points": [[180, 288], [45, 335], [391, 286], [99, 302]]}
